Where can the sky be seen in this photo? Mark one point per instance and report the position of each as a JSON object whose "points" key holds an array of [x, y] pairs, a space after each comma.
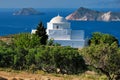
{"points": [[59, 3]]}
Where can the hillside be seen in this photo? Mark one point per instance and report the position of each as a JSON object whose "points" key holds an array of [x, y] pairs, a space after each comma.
{"points": [[84, 14], [27, 11]]}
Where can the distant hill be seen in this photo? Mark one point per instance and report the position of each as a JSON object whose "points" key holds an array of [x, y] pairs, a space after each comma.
{"points": [[85, 14], [27, 11]]}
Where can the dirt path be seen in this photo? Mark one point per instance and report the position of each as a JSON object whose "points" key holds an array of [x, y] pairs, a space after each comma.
{"points": [[27, 76], [22, 75]]}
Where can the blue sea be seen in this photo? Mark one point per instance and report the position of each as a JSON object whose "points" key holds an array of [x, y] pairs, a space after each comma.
{"points": [[10, 24]]}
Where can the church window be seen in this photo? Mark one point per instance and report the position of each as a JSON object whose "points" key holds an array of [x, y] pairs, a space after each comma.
{"points": [[57, 27]]}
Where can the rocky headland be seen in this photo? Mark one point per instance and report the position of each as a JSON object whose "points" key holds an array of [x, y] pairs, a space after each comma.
{"points": [[85, 14], [27, 11]]}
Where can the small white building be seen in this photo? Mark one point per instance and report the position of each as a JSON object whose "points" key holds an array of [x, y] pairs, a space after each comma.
{"points": [[59, 29]]}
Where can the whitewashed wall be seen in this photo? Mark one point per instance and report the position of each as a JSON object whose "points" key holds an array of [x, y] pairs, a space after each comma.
{"points": [[60, 34], [77, 34], [72, 43]]}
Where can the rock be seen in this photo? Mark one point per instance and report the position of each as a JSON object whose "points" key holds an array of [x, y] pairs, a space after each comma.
{"points": [[27, 11], [84, 14], [109, 16], [106, 16], [58, 70]]}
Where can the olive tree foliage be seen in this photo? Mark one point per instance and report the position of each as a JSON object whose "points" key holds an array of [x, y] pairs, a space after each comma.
{"points": [[6, 55], [103, 54], [69, 60], [103, 57], [26, 40], [98, 38], [66, 59], [22, 44], [26, 53]]}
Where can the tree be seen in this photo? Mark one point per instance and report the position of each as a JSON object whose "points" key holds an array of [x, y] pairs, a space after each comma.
{"points": [[66, 59], [26, 40], [6, 55], [103, 57], [98, 38], [41, 32], [30, 57], [23, 44]]}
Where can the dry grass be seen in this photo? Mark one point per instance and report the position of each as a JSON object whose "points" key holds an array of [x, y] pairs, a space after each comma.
{"points": [[40, 75], [6, 39], [8, 74]]}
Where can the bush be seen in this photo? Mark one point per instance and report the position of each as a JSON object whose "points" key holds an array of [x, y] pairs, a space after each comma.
{"points": [[68, 60], [26, 52]]}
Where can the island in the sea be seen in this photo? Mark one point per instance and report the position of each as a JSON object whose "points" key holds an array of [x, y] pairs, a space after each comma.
{"points": [[85, 14], [27, 11]]}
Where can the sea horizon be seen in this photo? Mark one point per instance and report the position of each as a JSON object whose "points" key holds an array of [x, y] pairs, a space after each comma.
{"points": [[43, 9], [19, 24]]}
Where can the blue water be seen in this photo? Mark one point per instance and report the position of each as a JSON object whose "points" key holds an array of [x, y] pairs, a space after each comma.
{"points": [[10, 24]]}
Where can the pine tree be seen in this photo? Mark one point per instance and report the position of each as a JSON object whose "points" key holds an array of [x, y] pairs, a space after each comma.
{"points": [[41, 32]]}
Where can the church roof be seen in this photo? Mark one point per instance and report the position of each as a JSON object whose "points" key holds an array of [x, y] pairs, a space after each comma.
{"points": [[58, 19]]}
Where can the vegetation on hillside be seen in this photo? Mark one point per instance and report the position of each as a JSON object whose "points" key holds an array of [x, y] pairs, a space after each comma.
{"points": [[104, 55], [25, 52], [35, 52], [98, 38]]}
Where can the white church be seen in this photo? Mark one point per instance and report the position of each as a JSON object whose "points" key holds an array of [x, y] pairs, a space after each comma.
{"points": [[60, 31]]}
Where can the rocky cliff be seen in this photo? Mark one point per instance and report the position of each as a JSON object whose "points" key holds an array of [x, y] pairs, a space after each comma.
{"points": [[84, 14], [27, 11]]}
